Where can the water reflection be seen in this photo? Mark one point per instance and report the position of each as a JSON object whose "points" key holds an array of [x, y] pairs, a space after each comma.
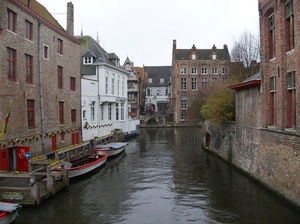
{"points": [[163, 177]]}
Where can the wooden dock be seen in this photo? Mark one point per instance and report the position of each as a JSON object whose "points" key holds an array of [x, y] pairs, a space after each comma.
{"points": [[40, 183]]}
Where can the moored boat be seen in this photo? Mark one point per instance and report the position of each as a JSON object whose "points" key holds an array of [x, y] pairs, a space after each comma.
{"points": [[8, 212], [111, 149], [83, 165]]}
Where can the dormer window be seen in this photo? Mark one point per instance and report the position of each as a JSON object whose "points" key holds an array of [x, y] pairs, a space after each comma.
{"points": [[161, 80], [193, 56], [87, 60], [214, 57]]}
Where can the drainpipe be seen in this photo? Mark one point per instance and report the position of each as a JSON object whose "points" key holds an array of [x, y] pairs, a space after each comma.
{"points": [[41, 87]]}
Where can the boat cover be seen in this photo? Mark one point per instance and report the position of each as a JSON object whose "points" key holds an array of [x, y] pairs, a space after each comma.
{"points": [[114, 145], [10, 207]]}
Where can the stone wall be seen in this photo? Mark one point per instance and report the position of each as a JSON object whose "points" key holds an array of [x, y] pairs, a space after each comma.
{"points": [[269, 156]]}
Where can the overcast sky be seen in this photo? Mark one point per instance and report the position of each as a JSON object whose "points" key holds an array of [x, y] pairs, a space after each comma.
{"points": [[144, 30]]}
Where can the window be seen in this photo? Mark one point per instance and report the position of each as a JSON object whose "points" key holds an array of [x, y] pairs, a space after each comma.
{"points": [[84, 114], [204, 83], [203, 70], [117, 111], [214, 80], [183, 102], [271, 25], [131, 96], [273, 84], [12, 64], [182, 70], [224, 70], [183, 116], [60, 77], [93, 111], [194, 70], [60, 46], [183, 83], [289, 18], [123, 87], [73, 84], [273, 100], [161, 80], [106, 84], [194, 84], [61, 113], [118, 87], [109, 111], [150, 80], [291, 100], [102, 113], [73, 115], [214, 57], [193, 56], [29, 68], [88, 60], [46, 52], [291, 80], [30, 113], [112, 86], [122, 112], [11, 20], [29, 29], [214, 70]]}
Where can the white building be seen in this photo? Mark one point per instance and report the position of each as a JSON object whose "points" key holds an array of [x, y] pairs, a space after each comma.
{"points": [[103, 91]]}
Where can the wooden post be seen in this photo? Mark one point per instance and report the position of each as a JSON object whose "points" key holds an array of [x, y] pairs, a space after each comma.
{"points": [[50, 181], [65, 176], [35, 193]]}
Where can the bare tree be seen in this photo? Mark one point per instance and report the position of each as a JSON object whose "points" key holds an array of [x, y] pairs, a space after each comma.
{"points": [[246, 49]]}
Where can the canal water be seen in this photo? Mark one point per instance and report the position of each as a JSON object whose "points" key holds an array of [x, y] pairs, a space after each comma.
{"points": [[163, 177]]}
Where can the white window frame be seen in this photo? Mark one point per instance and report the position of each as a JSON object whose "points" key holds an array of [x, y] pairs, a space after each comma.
{"points": [[204, 70], [183, 70]]}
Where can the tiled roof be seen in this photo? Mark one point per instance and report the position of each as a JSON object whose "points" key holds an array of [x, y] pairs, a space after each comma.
{"points": [[202, 54], [157, 72], [40, 12], [254, 80], [91, 47]]}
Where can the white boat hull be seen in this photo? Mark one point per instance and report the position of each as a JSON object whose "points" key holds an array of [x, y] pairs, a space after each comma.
{"points": [[111, 149], [81, 166], [8, 218]]}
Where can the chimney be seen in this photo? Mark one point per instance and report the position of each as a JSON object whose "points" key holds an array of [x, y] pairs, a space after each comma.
{"points": [[28, 4], [70, 18], [174, 52]]}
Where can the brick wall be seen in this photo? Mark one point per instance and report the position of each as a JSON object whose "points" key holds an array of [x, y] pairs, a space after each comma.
{"points": [[269, 156], [19, 92]]}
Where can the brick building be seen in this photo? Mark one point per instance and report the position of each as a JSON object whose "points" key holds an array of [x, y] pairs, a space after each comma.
{"points": [[40, 74], [264, 141], [193, 70], [280, 60]]}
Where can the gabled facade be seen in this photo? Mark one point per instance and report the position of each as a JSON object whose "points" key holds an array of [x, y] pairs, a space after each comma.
{"points": [[40, 75], [104, 101], [280, 42], [157, 89], [193, 70], [133, 90]]}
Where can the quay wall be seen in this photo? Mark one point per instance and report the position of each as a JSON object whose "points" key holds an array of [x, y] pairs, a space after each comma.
{"points": [[269, 156]]}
